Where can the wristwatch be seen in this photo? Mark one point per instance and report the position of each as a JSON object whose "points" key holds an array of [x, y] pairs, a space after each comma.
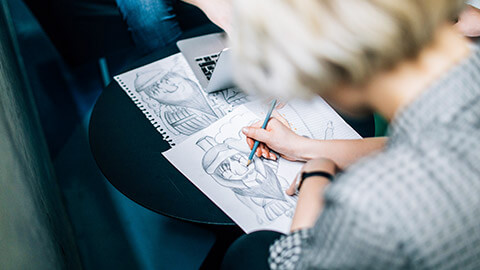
{"points": [[306, 175]]}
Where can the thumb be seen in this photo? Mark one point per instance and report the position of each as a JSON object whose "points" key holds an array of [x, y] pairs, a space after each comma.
{"points": [[293, 186], [257, 134]]}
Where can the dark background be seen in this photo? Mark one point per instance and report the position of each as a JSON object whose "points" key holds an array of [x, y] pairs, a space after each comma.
{"points": [[61, 42]]}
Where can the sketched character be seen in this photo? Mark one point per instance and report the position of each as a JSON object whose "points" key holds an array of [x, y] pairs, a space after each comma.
{"points": [[257, 186], [329, 131], [183, 107], [234, 96]]}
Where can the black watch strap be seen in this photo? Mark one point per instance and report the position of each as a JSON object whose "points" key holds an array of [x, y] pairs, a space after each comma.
{"points": [[306, 175]]}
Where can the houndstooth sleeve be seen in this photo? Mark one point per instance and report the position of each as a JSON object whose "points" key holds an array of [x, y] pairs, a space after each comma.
{"points": [[353, 232], [285, 252]]}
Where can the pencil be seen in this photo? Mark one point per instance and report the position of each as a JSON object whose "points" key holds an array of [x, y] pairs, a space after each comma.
{"points": [[255, 146]]}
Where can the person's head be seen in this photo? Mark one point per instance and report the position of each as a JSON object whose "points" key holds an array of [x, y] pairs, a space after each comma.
{"points": [[291, 48], [171, 88]]}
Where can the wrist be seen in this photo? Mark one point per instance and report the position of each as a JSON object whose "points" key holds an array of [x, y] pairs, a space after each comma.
{"points": [[319, 176], [307, 149], [314, 182]]}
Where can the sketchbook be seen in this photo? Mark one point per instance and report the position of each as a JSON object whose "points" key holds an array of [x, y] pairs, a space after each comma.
{"points": [[214, 160], [171, 98]]}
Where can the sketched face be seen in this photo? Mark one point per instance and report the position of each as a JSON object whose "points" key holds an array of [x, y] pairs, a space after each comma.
{"points": [[235, 168], [171, 89]]}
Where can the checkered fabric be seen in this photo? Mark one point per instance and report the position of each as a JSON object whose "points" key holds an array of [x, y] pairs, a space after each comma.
{"points": [[285, 252], [416, 205]]}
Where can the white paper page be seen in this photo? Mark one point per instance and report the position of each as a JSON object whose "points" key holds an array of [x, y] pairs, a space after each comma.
{"points": [[215, 160], [221, 150], [322, 122], [171, 98], [310, 118]]}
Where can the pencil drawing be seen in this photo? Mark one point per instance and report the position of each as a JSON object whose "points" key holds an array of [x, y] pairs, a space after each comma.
{"points": [[234, 96], [171, 98], [226, 100], [329, 131], [181, 105], [254, 196], [257, 186]]}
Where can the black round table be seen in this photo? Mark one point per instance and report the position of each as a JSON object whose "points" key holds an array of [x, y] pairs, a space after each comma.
{"points": [[128, 151]]}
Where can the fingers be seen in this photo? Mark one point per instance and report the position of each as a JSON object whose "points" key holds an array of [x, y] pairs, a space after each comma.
{"points": [[262, 150], [293, 186], [265, 151], [280, 105], [250, 142], [257, 134], [258, 152], [264, 136]]}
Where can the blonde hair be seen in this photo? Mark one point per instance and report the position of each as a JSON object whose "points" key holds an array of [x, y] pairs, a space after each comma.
{"points": [[290, 48]]}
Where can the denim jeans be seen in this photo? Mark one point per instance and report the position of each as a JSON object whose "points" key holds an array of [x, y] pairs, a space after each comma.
{"points": [[152, 23]]}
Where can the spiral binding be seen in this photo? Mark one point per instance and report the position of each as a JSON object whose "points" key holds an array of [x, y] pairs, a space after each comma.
{"points": [[133, 96]]}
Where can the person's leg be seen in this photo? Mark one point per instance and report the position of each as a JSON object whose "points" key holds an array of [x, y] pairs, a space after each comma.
{"points": [[151, 22], [250, 251]]}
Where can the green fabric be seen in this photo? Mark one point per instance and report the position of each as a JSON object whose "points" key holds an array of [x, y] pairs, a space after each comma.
{"points": [[381, 126]]}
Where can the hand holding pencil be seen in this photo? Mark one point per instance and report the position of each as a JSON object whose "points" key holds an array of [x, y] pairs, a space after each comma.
{"points": [[265, 122], [275, 139]]}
